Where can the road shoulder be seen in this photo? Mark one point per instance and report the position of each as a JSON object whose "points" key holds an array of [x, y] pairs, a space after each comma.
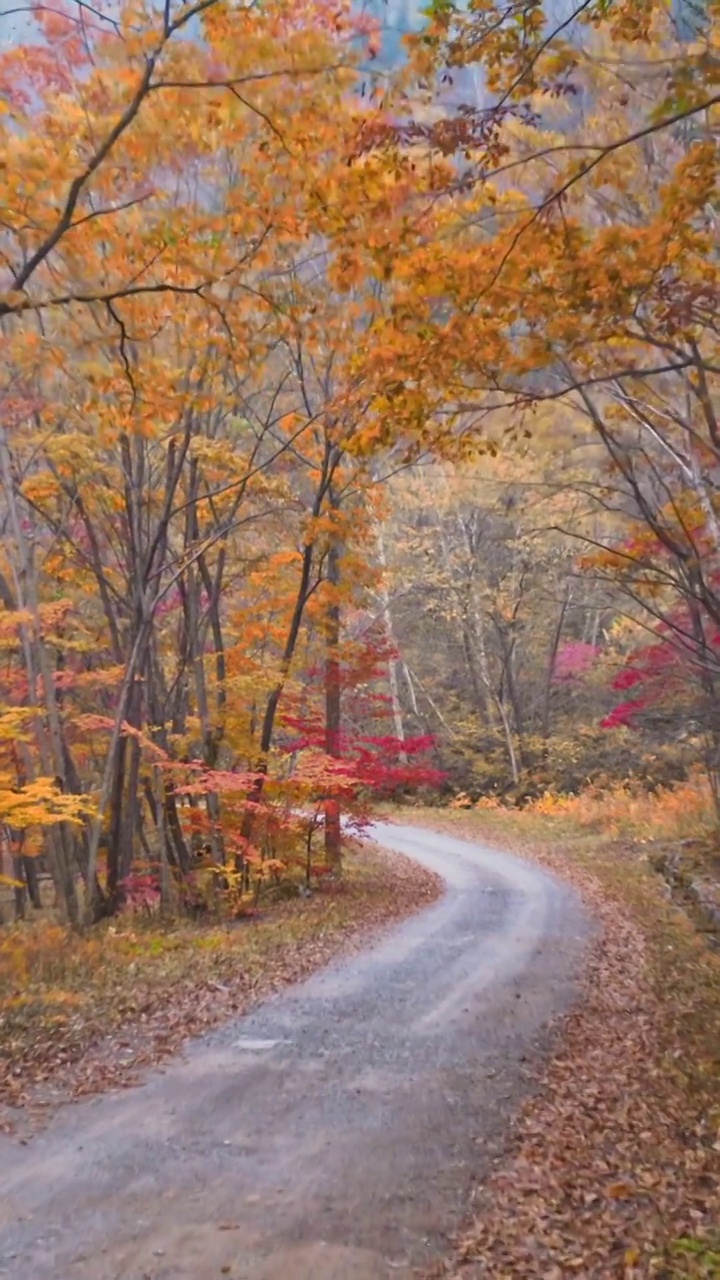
{"points": [[615, 1166]]}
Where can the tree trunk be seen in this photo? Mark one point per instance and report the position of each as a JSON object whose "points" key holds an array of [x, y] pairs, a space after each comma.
{"points": [[393, 682], [333, 699], [29, 866], [50, 744], [305, 589], [552, 658]]}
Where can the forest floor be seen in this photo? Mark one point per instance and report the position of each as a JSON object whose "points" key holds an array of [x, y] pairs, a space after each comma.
{"points": [[615, 1168], [81, 1014]]}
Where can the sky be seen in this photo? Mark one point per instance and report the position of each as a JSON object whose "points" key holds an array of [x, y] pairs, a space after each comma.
{"points": [[397, 16]]}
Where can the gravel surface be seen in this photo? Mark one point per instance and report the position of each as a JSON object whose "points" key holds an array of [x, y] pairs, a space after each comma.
{"points": [[336, 1132]]}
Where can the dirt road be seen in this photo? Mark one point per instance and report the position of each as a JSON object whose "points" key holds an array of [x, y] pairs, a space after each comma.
{"points": [[334, 1133]]}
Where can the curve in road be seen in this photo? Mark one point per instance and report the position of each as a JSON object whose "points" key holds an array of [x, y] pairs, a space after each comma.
{"points": [[335, 1132]]}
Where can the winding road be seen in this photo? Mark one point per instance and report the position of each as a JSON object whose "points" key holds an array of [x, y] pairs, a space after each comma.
{"points": [[335, 1132]]}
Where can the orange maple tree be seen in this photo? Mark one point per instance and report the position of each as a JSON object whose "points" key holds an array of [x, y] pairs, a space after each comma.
{"points": [[188, 265]]}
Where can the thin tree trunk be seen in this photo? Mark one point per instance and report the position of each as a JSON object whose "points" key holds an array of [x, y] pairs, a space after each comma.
{"points": [[19, 888], [304, 591], [195, 638], [147, 560], [29, 866], [507, 730], [50, 744], [393, 682], [552, 659], [135, 661], [333, 698]]}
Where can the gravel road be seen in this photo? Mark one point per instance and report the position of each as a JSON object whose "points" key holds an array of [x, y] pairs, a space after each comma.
{"points": [[334, 1133]]}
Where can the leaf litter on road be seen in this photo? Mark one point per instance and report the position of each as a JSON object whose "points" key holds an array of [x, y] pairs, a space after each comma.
{"points": [[135, 994], [614, 1166]]}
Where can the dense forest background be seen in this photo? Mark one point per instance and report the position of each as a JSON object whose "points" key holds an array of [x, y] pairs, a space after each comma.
{"points": [[359, 433]]}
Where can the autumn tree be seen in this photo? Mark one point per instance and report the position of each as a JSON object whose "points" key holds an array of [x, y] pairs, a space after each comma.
{"points": [[579, 247], [189, 424], [504, 643]]}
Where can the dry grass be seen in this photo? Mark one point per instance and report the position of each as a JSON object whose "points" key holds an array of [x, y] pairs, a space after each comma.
{"points": [[628, 810]]}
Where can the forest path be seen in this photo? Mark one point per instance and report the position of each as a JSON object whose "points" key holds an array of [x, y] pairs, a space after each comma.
{"points": [[336, 1131]]}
